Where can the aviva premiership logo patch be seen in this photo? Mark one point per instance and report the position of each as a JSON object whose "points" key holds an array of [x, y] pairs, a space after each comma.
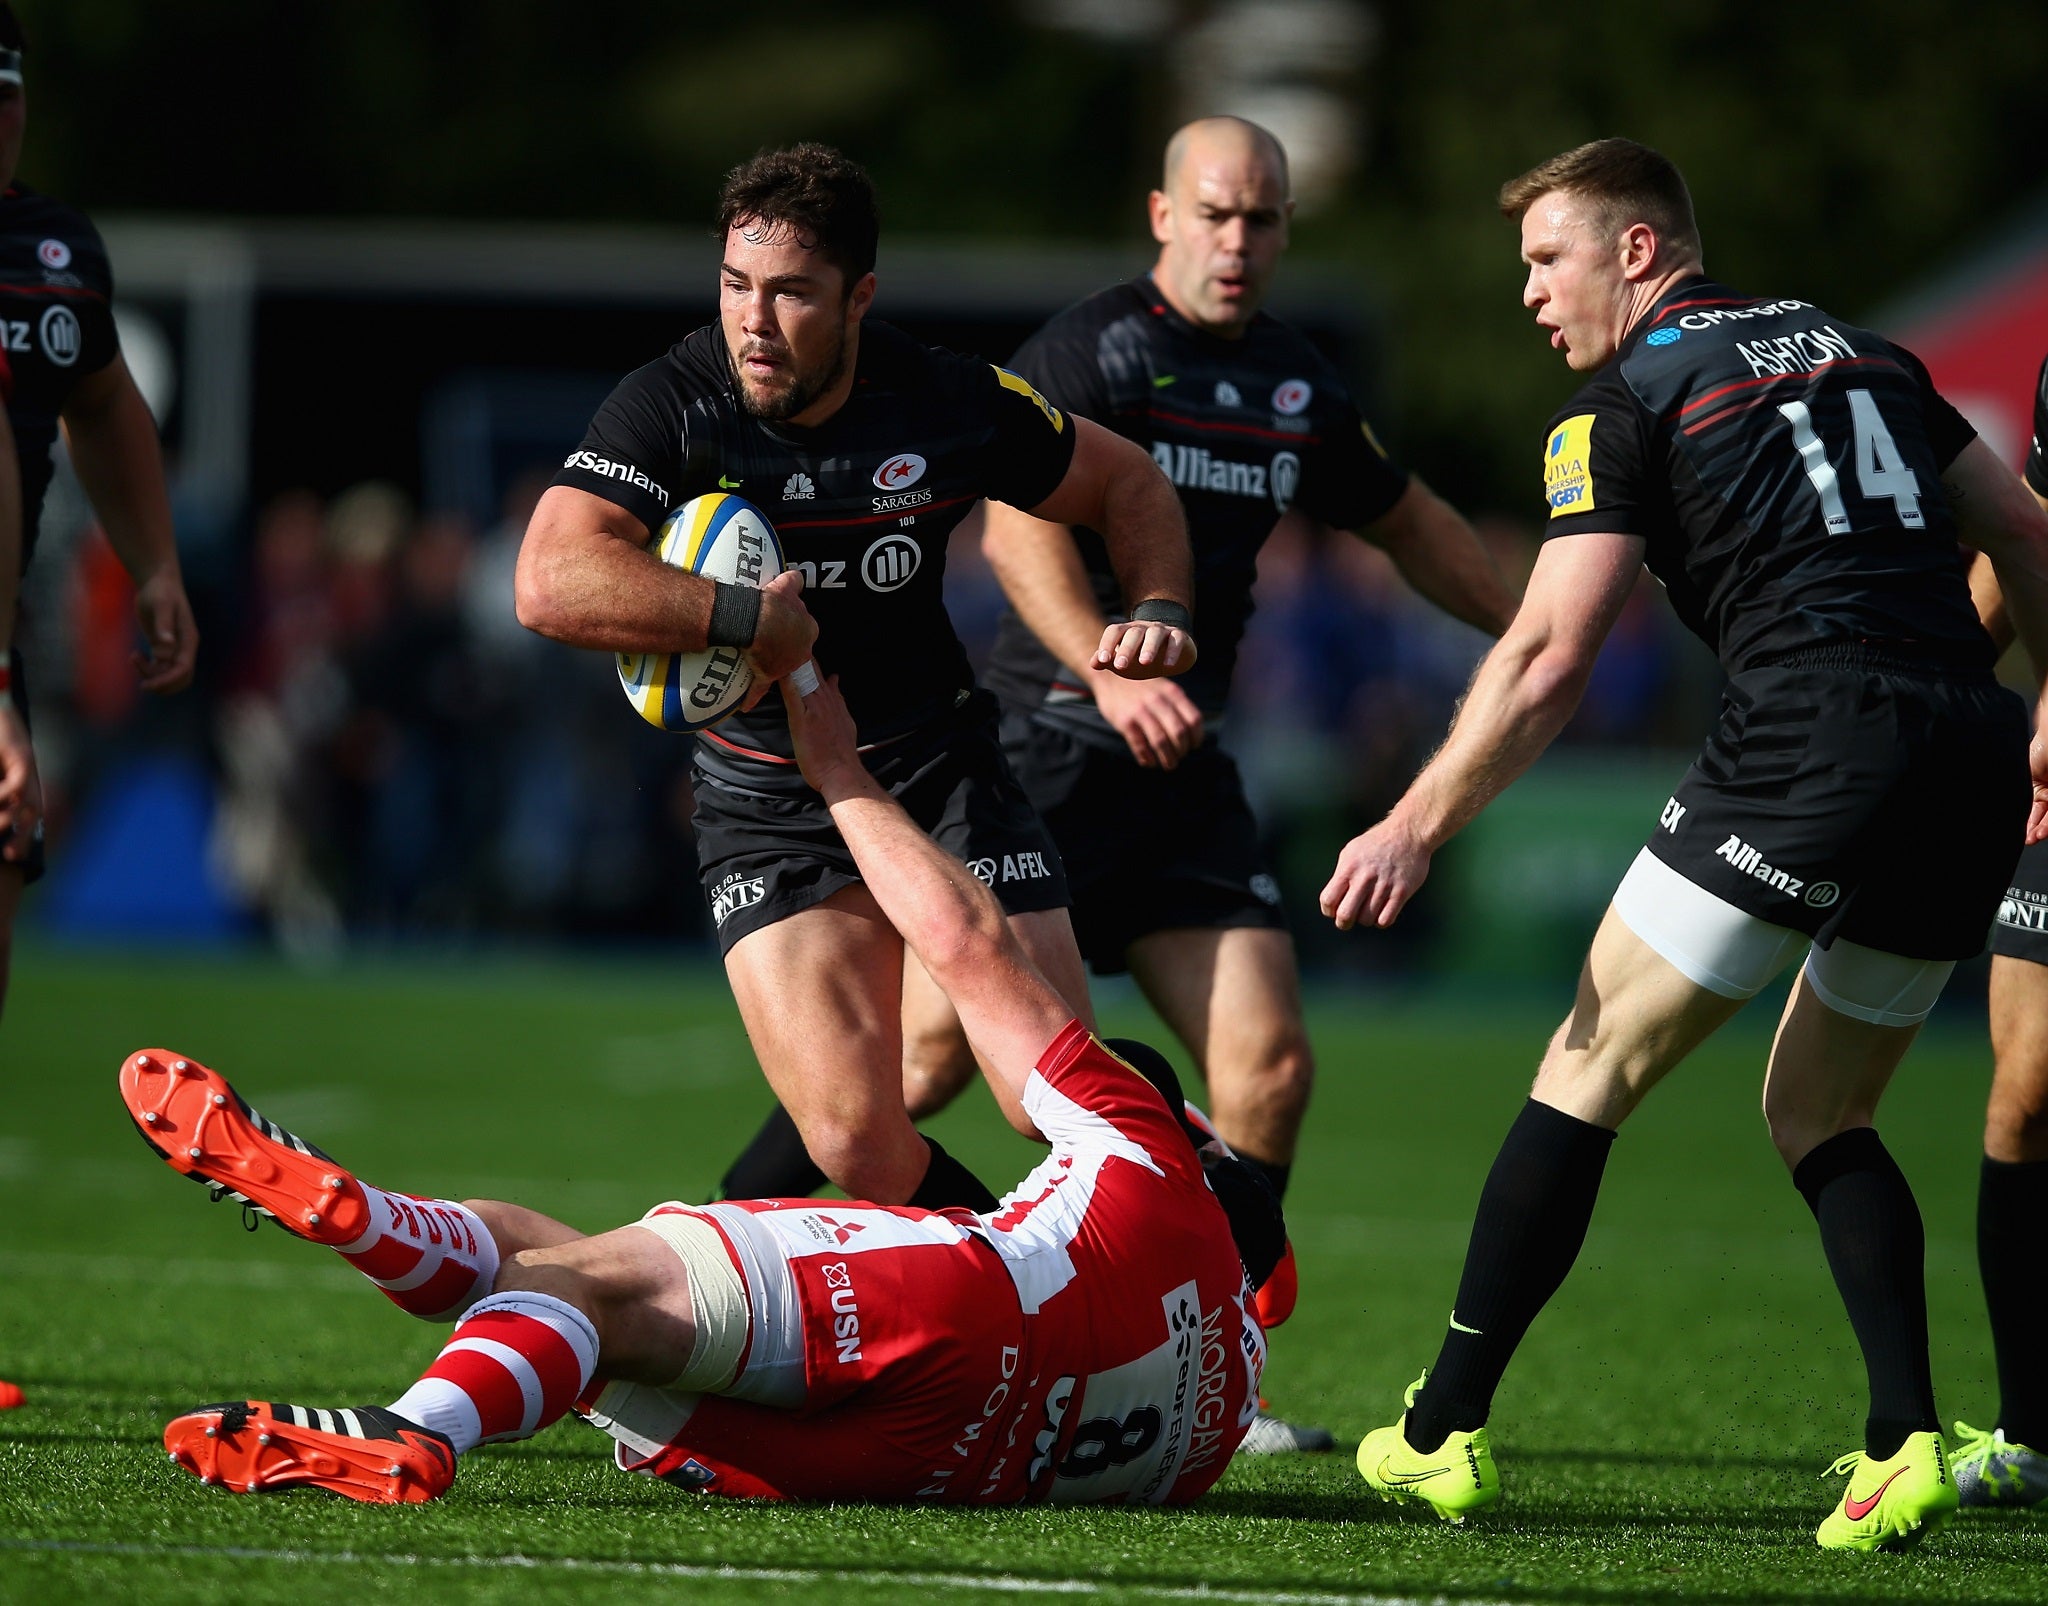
{"points": [[1567, 467], [1023, 387]]}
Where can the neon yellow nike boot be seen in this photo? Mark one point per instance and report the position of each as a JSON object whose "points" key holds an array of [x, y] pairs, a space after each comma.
{"points": [[1456, 1477], [1992, 1470], [1891, 1504]]}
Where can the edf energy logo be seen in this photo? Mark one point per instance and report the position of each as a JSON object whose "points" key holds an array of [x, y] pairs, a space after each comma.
{"points": [[1567, 472]]}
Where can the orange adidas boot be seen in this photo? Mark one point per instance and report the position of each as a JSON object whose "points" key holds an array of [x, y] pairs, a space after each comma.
{"points": [[365, 1453], [202, 1128]]}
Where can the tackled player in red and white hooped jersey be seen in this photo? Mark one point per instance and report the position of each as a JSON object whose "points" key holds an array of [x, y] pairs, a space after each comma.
{"points": [[1092, 1338], [1097, 1335]]}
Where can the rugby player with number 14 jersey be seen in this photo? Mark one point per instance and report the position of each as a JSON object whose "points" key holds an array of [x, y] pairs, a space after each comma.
{"points": [[1800, 488]]}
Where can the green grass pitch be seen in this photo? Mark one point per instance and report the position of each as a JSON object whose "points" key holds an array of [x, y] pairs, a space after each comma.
{"points": [[1661, 1437]]}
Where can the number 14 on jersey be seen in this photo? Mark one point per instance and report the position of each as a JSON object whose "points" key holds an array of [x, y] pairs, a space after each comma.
{"points": [[1880, 470]]}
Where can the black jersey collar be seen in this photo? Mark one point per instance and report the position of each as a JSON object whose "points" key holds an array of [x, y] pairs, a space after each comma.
{"points": [[1697, 291], [1157, 304]]}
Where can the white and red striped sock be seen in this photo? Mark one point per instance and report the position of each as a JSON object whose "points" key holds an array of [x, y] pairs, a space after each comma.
{"points": [[432, 1257], [514, 1364]]}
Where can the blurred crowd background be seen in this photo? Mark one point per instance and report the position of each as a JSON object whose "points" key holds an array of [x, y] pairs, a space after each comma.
{"points": [[378, 262]]}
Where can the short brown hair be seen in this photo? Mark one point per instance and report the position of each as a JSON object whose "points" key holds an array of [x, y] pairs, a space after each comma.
{"points": [[1626, 182], [825, 197]]}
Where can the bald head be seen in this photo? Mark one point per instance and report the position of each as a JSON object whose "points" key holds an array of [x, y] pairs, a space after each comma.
{"points": [[1220, 217], [1226, 140]]}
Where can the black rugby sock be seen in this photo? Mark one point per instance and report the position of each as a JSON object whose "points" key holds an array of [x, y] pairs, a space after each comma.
{"points": [[1273, 1171], [2012, 1255], [1877, 1250], [949, 1185], [1531, 1222], [775, 1165]]}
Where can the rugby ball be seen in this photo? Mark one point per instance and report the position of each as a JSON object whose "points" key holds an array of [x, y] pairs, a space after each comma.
{"points": [[722, 538]]}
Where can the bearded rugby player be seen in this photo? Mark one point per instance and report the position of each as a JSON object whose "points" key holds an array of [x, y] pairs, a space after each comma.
{"points": [[865, 449], [1800, 488], [1092, 1339]]}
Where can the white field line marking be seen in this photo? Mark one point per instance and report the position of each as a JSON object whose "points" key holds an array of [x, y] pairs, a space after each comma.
{"points": [[1002, 1583]]}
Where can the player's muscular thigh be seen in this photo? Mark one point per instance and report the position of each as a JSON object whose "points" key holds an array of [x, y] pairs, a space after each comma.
{"points": [[1636, 1016], [1232, 996], [820, 994]]}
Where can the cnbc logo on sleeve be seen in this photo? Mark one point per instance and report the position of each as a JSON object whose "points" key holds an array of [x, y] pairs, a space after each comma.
{"points": [[1567, 473]]}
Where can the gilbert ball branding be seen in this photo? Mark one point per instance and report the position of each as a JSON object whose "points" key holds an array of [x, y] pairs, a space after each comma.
{"points": [[721, 537]]}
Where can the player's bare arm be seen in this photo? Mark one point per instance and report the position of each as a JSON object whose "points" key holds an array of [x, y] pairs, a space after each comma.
{"points": [[1524, 691], [113, 444], [1042, 574], [1440, 555], [1113, 486], [1989, 602], [1997, 514], [949, 919], [21, 794], [587, 578]]}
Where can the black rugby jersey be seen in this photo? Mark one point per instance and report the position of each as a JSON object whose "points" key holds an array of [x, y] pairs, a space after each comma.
{"points": [[1244, 428], [1784, 469], [56, 324], [864, 504], [2037, 465]]}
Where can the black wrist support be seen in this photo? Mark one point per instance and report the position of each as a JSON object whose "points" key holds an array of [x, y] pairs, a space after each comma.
{"points": [[735, 615], [1160, 611]]}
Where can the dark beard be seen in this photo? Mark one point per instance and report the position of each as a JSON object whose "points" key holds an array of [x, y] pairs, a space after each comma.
{"points": [[800, 394]]}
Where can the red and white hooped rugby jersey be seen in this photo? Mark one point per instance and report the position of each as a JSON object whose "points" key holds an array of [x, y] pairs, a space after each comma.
{"points": [[1090, 1340]]}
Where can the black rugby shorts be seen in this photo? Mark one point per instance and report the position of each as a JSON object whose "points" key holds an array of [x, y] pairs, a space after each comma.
{"points": [[1878, 806], [2022, 928], [31, 867], [1146, 850], [765, 856]]}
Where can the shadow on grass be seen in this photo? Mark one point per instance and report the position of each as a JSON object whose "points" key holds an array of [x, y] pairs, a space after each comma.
{"points": [[1646, 1458], [1362, 1510]]}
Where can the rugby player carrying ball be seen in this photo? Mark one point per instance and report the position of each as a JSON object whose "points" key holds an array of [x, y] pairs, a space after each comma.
{"points": [[865, 449]]}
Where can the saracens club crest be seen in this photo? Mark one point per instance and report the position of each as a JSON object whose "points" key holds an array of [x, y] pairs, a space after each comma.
{"points": [[1292, 396], [900, 472]]}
